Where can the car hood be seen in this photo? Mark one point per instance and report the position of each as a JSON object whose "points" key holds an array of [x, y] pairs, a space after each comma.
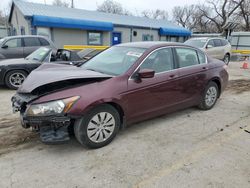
{"points": [[56, 74], [7, 62]]}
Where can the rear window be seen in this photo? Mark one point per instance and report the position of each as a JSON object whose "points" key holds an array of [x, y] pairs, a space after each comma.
{"points": [[44, 42], [217, 42], [187, 57], [32, 41]]}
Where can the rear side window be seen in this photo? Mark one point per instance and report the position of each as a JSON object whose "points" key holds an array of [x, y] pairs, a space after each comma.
{"points": [[160, 61], [32, 41], [44, 42], [202, 57], [187, 57], [217, 42], [14, 43]]}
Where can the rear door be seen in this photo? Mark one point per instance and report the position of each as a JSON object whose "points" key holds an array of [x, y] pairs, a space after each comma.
{"points": [[12, 48], [151, 96], [30, 45], [193, 67]]}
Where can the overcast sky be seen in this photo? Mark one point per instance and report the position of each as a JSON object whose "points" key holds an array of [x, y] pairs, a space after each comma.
{"points": [[132, 5]]}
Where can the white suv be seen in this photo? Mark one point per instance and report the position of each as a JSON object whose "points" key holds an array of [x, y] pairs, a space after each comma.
{"points": [[215, 47]]}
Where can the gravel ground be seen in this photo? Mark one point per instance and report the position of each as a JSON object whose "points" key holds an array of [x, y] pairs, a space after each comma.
{"points": [[189, 148]]}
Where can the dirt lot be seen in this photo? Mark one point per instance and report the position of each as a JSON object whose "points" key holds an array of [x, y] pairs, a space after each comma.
{"points": [[190, 148]]}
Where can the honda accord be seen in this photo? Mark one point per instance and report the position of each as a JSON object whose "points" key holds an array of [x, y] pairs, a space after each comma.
{"points": [[120, 86]]}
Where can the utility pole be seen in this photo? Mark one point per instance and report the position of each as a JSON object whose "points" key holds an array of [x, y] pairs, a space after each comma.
{"points": [[72, 3]]}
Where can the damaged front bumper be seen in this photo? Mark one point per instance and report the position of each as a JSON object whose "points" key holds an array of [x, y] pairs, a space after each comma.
{"points": [[52, 129]]}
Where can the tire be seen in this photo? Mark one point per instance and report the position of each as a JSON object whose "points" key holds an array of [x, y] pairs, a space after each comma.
{"points": [[207, 101], [226, 59], [98, 127], [15, 78]]}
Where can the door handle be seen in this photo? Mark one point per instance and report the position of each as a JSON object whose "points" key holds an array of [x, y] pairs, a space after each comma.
{"points": [[204, 68], [172, 76]]}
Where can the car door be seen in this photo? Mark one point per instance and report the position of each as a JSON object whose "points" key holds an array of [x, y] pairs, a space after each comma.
{"points": [[210, 48], [30, 45], [12, 48], [151, 96], [193, 67]]}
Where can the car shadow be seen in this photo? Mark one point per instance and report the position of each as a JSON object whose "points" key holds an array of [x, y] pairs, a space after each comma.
{"points": [[74, 146]]}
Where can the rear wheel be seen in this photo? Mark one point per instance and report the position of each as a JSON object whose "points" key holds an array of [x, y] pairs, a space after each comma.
{"points": [[15, 78], [226, 59], [210, 96], [98, 127]]}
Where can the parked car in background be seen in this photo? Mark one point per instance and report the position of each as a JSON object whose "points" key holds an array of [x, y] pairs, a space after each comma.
{"points": [[122, 85], [22, 45], [215, 47], [14, 71]]}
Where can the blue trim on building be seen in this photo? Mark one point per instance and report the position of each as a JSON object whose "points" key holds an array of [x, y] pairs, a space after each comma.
{"points": [[46, 21], [181, 32]]}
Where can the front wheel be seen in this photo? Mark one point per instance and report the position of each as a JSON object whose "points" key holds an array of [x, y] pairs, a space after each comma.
{"points": [[209, 97], [98, 127], [15, 78], [226, 59]]}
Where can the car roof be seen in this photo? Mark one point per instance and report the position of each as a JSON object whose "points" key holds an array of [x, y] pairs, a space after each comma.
{"points": [[206, 38], [150, 44], [23, 36]]}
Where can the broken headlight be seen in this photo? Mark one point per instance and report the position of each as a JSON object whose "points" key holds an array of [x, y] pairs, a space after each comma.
{"points": [[52, 108]]}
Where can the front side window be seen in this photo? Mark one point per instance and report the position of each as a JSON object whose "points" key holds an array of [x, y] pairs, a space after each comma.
{"points": [[115, 60], [14, 43], [159, 61], [211, 43], [95, 38], [186, 57], [31, 41]]}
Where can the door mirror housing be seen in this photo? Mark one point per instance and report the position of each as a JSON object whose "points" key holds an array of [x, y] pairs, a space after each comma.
{"points": [[209, 46], [5, 46], [146, 73]]}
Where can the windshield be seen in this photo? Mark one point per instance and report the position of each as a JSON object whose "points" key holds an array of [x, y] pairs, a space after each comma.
{"points": [[115, 60], [39, 55], [198, 43]]}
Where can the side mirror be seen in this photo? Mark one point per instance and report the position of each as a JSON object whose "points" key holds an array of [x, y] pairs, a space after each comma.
{"points": [[209, 46], [5, 46], [146, 73]]}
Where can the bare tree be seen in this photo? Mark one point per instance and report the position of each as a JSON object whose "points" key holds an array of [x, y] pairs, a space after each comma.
{"points": [[219, 12], [155, 14], [182, 15], [244, 14], [61, 3], [110, 6]]}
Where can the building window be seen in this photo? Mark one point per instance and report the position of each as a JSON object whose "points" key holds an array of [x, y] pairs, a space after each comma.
{"points": [[147, 37], [94, 38]]}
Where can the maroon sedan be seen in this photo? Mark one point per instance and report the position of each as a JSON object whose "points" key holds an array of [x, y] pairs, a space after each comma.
{"points": [[124, 84]]}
